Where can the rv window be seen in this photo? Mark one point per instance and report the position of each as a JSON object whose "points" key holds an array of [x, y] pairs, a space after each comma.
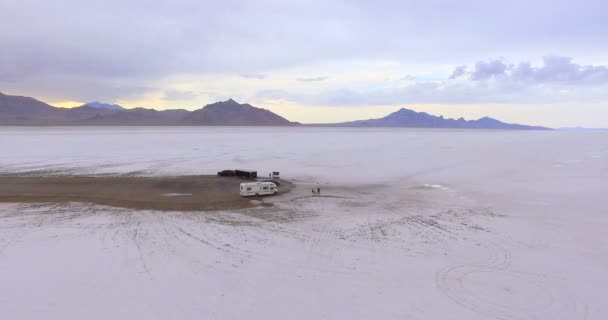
{"points": [[265, 188], [248, 189]]}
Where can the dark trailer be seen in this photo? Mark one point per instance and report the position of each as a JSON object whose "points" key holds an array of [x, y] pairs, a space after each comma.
{"points": [[247, 174]]}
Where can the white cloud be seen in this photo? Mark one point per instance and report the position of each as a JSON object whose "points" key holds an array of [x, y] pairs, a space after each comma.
{"points": [[311, 79], [179, 95], [257, 76]]}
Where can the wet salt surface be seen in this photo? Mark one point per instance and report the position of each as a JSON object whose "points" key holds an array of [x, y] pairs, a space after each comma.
{"points": [[411, 224]]}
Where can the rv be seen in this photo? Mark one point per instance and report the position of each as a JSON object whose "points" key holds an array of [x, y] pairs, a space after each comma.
{"points": [[258, 189]]}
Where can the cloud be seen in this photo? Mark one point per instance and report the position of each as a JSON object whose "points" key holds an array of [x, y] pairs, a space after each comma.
{"points": [[257, 76], [554, 70], [557, 69], [426, 92], [78, 89], [178, 95], [8, 78], [458, 72], [557, 79], [312, 79], [487, 70], [144, 42], [271, 94]]}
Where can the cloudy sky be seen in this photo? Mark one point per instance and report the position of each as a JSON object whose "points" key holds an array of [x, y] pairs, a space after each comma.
{"points": [[537, 62]]}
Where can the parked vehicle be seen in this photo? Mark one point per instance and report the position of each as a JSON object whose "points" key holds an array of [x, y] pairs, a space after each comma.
{"points": [[226, 173], [277, 182], [247, 174], [249, 189]]}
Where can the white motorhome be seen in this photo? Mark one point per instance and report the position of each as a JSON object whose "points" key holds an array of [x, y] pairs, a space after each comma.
{"points": [[258, 189]]}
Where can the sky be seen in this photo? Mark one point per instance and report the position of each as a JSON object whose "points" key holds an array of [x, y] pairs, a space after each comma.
{"points": [[539, 62]]}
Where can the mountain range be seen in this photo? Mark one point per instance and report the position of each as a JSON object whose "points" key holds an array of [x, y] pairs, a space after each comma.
{"points": [[412, 119], [17, 110], [26, 111]]}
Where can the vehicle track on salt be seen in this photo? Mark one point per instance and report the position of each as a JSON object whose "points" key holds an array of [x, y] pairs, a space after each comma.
{"points": [[237, 239], [470, 284]]}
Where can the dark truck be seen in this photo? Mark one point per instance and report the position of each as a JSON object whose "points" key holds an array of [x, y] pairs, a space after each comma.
{"points": [[247, 174], [226, 173]]}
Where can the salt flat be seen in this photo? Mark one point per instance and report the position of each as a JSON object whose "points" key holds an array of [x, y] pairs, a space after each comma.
{"points": [[413, 224]]}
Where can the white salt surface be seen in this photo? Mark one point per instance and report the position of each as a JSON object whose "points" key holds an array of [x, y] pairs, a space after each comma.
{"points": [[177, 194], [508, 235]]}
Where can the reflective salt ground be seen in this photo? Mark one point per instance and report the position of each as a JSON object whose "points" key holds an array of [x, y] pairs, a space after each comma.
{"points": [[420, 224]]}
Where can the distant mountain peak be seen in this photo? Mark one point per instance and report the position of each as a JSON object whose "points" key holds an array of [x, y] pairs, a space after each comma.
{"points": [[100, 105], [404, 110], [407, 118], [232, 113]]}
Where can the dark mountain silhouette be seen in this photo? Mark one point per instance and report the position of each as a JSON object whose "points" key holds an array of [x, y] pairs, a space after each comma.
{"points": [[411, 119], [232, 113], [17, 107], [87, 115], [16, 110]]}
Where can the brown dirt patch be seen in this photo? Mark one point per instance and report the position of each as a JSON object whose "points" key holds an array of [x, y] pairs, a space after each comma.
{"points": [[182, 193]]}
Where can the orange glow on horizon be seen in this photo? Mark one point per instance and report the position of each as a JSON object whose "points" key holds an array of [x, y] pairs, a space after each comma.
{"points": [[67, 104]]}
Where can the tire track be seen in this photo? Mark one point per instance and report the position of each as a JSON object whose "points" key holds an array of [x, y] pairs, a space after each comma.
{"points": [[467, 285]]}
